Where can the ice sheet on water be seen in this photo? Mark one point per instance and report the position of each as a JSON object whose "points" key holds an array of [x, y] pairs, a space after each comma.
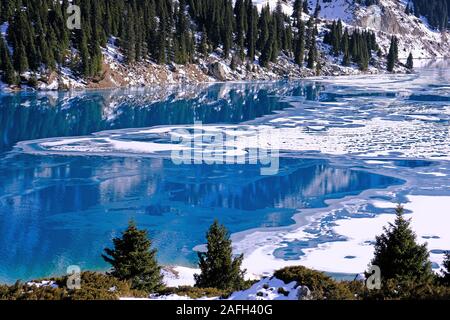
{"points": [[404, 116], [382, 119]]}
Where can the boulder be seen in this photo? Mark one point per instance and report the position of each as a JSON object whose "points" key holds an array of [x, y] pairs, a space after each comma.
{"points": [[218, 71], [303, 293]]}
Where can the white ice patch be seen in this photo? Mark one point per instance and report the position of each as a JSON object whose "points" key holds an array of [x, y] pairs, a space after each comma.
{"points": [[430, 222]]}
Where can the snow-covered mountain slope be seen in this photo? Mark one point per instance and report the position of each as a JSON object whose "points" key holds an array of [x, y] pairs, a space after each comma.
{"points": [[386, 18]]}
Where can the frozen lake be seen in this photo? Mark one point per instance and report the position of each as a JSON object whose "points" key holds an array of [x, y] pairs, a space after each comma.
{"points": [[75, 167]]}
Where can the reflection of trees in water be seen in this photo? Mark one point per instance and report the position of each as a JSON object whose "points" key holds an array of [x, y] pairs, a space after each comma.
{"points": [[291, 189], [49, 206], [28, 116]]}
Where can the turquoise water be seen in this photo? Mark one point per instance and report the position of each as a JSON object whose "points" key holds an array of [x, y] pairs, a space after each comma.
{"points": [[58, 210]]}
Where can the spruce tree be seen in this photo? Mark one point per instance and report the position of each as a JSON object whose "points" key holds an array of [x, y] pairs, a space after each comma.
{"points": [[129, 42], [9, 75], [218, 267], [227, 28], [266, 53], [305, 7], [264, 29], [278, 19], [410, 62], [204, 45], [252, 32], [85, 57], [297, 12], [317, 10], [300, 44], [446, 270], [399, 256], [312, 53], [134, 260], [363, 56], [345, 48], [274, 41], [391, 58], [241, 14], [162, 43], [20, 59]]}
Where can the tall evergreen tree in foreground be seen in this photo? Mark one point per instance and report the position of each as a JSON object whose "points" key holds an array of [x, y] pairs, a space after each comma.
{"points": [[399, 256], [218, 268], [410, 62], [446, 270], [133, 259]]}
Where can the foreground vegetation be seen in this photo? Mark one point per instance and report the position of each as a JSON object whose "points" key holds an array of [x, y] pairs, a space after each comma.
{"points": [[405, 272]]}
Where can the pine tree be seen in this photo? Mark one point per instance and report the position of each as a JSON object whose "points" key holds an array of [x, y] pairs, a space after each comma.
{"points": [[395, 44], [446, 270], [317, 10], [346, 48], [182, 37], [162, 43], [312, 53], [391, 58], [227, 28], [218, 268], [407, 9], [266, 52], [9, 75], [399, 256], [252, 32], [85, 57], [305, 7], [20, 59], [297, 12], [241, 15], [130, 38], [300, 44], [363, 56], [133, 259], [274, 41], [279, 36], [410, 61], [264, 29], [204, 45]]}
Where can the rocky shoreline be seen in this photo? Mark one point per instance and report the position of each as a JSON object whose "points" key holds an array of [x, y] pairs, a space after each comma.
{"points": [[116, 75]]}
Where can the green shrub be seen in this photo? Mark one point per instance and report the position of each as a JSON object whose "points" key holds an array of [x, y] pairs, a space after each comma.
{"points": [[409, 290], [282, 291], [322, 286], [194, 292], [94, 286]]}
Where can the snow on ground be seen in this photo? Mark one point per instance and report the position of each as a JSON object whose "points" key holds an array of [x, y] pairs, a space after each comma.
{"points": [[335, 9], [287, 7], [265, 289], [180, 276], [269, 289]]}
